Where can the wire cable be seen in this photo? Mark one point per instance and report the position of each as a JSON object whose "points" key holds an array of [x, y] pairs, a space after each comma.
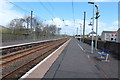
{"points": [[47, 9], [18, 6], [52, 15], [23, 9], [51, 6]]}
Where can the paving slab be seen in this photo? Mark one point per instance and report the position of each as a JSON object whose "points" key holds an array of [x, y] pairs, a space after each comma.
{"points": [[73, 63], [110, 69]]}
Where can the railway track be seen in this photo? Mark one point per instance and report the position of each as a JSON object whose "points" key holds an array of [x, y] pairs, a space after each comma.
{"points": [[15, 48], [21, 54], [28, 58]]}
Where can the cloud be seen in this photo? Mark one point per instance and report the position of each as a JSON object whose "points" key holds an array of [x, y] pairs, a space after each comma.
{"points": [[71, 28], [115, 23], [7, 13], [103, 26], [55, 21], [68, 26], [114, 26]]}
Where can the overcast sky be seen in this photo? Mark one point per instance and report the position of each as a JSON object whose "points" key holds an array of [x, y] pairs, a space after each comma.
{"points": [[51, 12]]}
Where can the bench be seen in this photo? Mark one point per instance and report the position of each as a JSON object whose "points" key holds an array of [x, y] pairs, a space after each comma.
{"points": [[104, 55]]}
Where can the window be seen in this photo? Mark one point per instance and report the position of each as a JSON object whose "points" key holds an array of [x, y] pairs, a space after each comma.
{"points": [[108, 34], [111, 38]]}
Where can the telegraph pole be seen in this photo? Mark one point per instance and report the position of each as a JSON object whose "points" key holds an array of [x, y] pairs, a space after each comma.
{"points": [[31, 32], [27, 22], [84, 26], [31, 20]]}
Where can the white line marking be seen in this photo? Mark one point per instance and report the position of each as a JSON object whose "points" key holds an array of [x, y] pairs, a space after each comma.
{"points": [[80, 46], [30, 71], [88, 56]]}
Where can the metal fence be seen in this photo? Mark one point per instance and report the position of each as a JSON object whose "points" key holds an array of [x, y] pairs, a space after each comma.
{"points": [[112, 46], [19, 38]]}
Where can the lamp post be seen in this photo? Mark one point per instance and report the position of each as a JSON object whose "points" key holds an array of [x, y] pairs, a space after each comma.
{"points": [[80, 32], [84, 27], [97, 16], [92, 27]]}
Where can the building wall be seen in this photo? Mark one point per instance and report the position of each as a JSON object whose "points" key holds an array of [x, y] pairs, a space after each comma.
{"points": [[91, 35], [103, 36], [108, 36], [118, 35]]}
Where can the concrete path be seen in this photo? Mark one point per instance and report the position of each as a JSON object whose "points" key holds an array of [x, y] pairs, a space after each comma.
{"points": [[74, 63]]}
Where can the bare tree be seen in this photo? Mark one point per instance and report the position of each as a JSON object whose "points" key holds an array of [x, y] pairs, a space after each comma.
{"points": [[17, 23], [22, 26], [53, 29]]}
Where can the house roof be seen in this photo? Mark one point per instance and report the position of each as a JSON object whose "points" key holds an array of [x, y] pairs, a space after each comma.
{"points": [[110, 32], [92, 32]]}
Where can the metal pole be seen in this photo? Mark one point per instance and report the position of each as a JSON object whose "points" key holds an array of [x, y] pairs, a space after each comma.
{"points": [[97, 16], [31, 20], [27, 23], [84, 26], [80, 31], [92, 43], [96, 34], [31, 25]]}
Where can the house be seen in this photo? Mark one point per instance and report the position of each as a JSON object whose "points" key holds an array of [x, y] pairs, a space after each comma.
{"points": [[90, 34], [109, 35], [118, 35]]}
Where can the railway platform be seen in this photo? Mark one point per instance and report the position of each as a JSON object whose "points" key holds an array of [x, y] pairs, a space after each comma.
{"points": [[74, 60]]}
